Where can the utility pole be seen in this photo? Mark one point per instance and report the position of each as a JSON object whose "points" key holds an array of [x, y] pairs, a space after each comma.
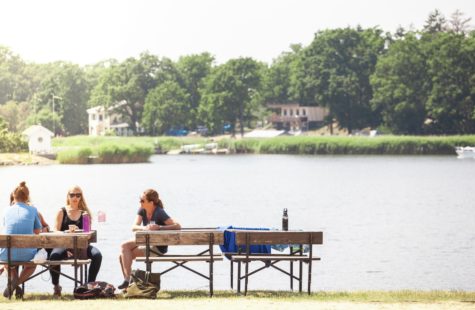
{"points": [[54, 123]]}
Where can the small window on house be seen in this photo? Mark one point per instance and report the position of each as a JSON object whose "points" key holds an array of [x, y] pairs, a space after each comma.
{"points": [[285, 112], [291, 112], [40, 139], [100, 117], [297, 112], [304, 112]]}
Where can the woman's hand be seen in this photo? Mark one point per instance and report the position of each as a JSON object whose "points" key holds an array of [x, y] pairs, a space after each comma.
{"points": [[152, 227]]}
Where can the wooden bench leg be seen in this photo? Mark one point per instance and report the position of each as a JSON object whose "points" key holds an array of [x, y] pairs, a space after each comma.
{"points": [[291, 275], [231, 276], [300, 276], [246, 278], [211, 277], [239, 278], [291, 271]]}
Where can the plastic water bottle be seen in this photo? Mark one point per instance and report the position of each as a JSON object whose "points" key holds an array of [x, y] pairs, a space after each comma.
{"points": [[86, 222], [285, 220], [101, 216]]}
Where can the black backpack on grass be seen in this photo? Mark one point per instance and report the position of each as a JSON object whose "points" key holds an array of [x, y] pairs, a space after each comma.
{"points": [[92, 290]]}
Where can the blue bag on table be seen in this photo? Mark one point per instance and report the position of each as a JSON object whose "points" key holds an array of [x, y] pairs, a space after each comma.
{"points": [[230, 246]]}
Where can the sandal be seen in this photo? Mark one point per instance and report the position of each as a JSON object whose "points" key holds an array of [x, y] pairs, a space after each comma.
{"points": [[19, 293], [7, 293], [57, 291], [124, 285]]}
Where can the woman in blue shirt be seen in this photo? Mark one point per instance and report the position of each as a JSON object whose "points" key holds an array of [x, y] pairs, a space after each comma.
{"points": [[150, 216], [20, 218]]}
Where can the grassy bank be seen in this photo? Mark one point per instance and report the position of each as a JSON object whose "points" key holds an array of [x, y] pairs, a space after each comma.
{"points": [[106, 154], [381, 145], [305, 145], [13, 159], [78, 149], [259, 300]]}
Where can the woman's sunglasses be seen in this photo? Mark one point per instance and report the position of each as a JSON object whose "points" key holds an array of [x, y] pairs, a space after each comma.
{"points": [[77, 195]]}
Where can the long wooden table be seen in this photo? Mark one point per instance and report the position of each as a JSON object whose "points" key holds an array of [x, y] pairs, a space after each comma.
{"points": [[197, 237], [77, 242]]}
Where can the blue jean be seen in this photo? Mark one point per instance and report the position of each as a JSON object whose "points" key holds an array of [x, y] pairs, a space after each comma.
{"points": [[92, 253]]}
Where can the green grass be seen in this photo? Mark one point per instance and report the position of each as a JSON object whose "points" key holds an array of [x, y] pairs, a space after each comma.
{"points": [[165, 144], [305, 145], [381, 145], [356, 296]]}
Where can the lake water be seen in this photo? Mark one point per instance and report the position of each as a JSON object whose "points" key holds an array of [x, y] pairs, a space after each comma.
{"points": [[389, 222]]}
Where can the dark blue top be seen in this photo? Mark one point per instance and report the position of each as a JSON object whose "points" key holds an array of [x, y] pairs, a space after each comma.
{"points": [[159, 216]]}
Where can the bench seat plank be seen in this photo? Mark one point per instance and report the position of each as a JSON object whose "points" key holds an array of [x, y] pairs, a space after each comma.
{"points": [[50, 262], [180, 258], [272, 257]]}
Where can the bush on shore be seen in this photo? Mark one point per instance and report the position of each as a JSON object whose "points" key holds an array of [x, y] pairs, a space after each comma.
{"points": [[387, 145], [12, 142], [106, 154]]}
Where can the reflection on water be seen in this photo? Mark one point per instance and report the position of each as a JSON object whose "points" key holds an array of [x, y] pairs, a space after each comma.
{"points": [[389, 222]]}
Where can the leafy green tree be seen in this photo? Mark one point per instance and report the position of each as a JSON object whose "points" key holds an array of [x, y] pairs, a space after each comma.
{"points": [[435, 23], [193, 69], [228, 92], [14, 82], [400, 86], [15, 115], [46, 118], [451, 67], [166, 107], [278, 78], [334, 71], [65, 91], [10, 141], [130, 82]]}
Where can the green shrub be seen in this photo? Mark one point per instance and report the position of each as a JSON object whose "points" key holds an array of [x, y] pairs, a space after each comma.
{"points": [[75, 156], [12, 142]]}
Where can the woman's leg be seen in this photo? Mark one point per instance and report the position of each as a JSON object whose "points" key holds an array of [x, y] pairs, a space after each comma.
{"points": [[128, 252], [57, 254], [14, 281], [96, 259], [25, 273]]}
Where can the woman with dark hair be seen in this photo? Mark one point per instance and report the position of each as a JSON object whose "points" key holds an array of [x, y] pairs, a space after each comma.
{"points": [[72, 214], [150, 216], [20, 219]]}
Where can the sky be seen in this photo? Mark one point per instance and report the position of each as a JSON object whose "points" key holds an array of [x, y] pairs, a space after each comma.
{"points": [[89, 31]]}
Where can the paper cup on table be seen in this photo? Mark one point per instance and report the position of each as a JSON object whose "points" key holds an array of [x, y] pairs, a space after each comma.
{"points": [[72, 228]]}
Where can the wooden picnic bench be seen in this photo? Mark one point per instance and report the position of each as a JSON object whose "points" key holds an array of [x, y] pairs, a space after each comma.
{"points": [[189, 237], [77, 242], [246, 238]]}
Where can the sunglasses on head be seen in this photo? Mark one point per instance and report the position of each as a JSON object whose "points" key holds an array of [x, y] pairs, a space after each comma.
{"points": [[142, 200], [77, 195]]}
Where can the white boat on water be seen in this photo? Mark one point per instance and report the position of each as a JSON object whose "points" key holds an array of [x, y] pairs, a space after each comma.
{"points": [[465, 151]]}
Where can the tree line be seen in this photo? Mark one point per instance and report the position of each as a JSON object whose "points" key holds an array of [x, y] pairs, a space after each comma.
{"points": [[407, 82]]}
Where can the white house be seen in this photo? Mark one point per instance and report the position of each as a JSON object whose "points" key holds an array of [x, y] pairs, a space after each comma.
{"points": [[103, 120], [39, 139], [293, 116]]}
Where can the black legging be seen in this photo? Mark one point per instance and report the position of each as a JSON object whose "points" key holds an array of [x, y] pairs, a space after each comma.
{"points": [[93, 253]]}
